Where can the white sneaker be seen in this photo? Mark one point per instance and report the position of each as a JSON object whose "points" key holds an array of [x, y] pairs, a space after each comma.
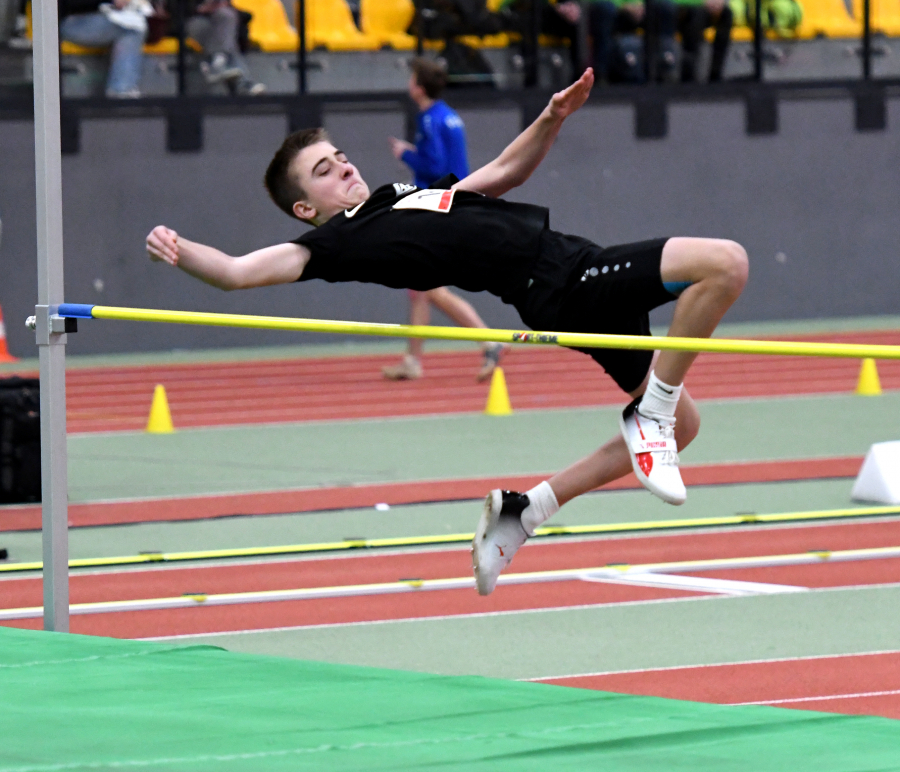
{"points": [[498, 538], [409, 369], [654, 454]]}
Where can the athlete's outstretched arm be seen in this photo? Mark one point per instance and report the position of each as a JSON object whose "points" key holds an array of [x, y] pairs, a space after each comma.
{"points": [[515, 164], [279, 264]]}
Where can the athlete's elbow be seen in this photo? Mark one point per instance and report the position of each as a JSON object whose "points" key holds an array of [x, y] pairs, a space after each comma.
{"points": [[514, 179], [233, 279]]}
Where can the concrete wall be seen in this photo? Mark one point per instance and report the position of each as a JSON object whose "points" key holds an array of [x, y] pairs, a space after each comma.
{"points": [[816, 206]]}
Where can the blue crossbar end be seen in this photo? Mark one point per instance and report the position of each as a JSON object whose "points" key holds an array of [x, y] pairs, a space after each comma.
{"points": [[76, 310]]}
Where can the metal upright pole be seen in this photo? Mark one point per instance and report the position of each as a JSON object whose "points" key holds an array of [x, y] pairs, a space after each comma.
{"points": [[301, 47], [420, 31], [182, 48], [758, 42], [867, 40], [51, 339], [531, 39]]}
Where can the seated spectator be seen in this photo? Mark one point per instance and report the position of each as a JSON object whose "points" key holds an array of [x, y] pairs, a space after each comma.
{"points": [[618, 52], [14, 24], [215, 25], [694, 17], [122, 26], [559, 20]]}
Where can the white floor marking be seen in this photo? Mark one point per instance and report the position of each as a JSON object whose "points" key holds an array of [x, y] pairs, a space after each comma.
{"points": [[695, 584], [819, 699]]}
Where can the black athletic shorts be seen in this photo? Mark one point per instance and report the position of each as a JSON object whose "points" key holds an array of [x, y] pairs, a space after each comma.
{"points": [[577, 286]]}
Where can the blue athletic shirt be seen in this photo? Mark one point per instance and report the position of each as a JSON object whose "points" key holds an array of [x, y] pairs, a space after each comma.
{"points": [[440, 146]]}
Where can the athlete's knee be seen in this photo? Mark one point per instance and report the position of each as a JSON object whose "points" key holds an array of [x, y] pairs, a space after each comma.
{"points": [[734, 266]]}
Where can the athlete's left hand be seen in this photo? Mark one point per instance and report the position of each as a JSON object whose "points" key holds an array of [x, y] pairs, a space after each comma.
{"points": [[564, 103]]}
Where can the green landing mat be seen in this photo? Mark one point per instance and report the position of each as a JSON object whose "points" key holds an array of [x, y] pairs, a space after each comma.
{"points": [[80, 703]]}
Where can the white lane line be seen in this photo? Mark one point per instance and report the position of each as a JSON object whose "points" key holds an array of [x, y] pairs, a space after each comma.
{"points": [[541, 610], [613, 573], [718, 664], [696, 584], [820, 699], [435, 618]]}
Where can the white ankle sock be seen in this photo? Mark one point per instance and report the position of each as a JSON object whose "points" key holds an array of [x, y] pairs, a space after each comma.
{"points": [[660, 399], [543, 507]]}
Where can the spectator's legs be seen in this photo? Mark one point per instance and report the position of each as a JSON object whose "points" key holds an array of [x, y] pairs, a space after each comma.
{"points": [[217, 32], [94, 29], [662, 24], [222, 33], [554, 24], [692, 20], [723, 24], [600, 20]]}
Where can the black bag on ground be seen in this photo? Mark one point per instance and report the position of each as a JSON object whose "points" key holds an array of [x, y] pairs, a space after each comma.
{"points": [[20, 440]]}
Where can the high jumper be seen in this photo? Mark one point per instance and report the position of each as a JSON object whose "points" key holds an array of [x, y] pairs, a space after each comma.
{"points": [[462, 233]]}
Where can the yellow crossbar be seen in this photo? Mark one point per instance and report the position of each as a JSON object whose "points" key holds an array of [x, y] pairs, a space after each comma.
{"points": [[567, 339]]}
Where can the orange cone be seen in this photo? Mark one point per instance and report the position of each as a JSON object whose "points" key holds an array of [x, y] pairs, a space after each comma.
{"points": [[5, 356]]}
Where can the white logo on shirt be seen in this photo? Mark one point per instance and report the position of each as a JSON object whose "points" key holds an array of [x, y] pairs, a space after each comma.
{"points": [[429, 200], [401, 187], [351, 212]]}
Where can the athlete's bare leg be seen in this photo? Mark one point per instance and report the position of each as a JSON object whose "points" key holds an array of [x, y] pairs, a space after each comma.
{"points": [[457, 309], [718, 272], [419, 315]]}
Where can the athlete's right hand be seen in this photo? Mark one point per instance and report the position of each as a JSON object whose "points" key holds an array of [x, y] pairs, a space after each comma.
{"points": [[162, 245], [566, 102]]}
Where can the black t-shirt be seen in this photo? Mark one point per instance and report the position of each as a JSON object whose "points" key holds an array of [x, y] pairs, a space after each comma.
{"points": [[404, 237]]}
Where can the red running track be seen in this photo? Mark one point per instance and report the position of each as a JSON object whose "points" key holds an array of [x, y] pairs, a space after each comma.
{"points": [[867, 684], [374, 568], [114, 399], [28, 517]]}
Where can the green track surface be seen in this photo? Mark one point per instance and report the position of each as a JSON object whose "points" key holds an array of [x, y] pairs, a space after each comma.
{"points": [[628, 636], [77, 703], [425, 520], [259, 458]]}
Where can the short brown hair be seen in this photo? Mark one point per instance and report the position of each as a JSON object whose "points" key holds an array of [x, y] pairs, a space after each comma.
{"points": [[430, 75], [284, 189]]}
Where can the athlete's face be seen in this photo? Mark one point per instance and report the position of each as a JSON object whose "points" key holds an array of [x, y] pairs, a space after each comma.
{"points": [[331, 183]]}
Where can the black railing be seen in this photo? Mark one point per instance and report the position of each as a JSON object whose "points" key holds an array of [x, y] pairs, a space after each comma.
{"points": [[530, 30]]}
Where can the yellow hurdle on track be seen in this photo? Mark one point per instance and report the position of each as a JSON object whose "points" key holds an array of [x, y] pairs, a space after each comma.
{"points": [[566, 339]]}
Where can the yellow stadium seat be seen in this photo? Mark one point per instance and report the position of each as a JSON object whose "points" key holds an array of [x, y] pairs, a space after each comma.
{"points": [[329, 24], [164, 46], [884, 16], [500, 40], [269, 27], [170, 46], [828, 18], [73, 49], [387, 22]]}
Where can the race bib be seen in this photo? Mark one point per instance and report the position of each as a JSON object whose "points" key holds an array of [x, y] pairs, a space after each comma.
{"points": [[430, 200]]}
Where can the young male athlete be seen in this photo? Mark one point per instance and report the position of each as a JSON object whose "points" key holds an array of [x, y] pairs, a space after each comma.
{"points": [[462, 234]]}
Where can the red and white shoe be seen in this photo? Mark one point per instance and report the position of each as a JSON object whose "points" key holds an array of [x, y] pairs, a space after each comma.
{"points": [[654, 454], [500, 534]]}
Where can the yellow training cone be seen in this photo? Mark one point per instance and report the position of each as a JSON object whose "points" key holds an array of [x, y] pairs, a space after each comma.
{"points": [[868, 385], [498, 396], [160, 421]]}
